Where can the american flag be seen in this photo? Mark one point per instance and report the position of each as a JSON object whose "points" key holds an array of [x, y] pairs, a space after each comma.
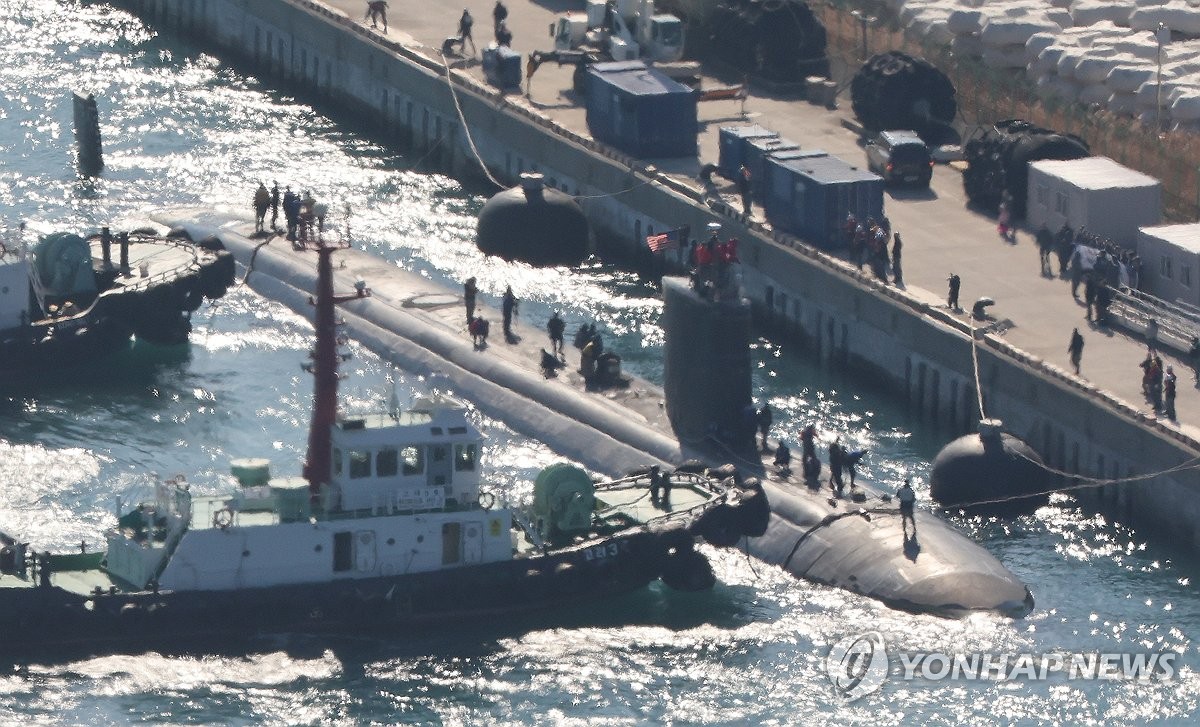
{"points": [[668, 240]]}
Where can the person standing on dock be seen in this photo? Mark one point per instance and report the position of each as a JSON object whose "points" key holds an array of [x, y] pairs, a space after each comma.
{"points": [[469, 293], [262, 200], [499, 15], [556, 327], [376, 12], [508, 307], [1169, 393], [1075, 348], [743, 185], [1045, 243], [952, 299], [464, 31], [1194, 355], [503, 35], [897, 271], [1004, 218], [274, 205]]}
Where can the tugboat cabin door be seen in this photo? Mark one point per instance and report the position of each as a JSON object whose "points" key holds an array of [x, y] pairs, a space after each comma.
{"points": [[354, 551], [462, 543]]}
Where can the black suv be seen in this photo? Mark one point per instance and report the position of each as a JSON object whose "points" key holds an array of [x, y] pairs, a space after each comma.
{"points": [[900, 156]]}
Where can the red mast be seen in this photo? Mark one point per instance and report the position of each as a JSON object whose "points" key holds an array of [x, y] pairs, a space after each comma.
{"points": [[324, 368]]}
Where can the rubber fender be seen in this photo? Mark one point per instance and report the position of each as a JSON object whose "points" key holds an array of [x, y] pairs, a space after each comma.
{"points": [[724, 472], [211, 243], [180, 233], [192, 299], [688, 571], [217, 276], [754, 512], [721, 526], [693, 466], [675, 540]]}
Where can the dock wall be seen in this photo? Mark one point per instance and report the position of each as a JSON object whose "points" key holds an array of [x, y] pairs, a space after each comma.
{"points": [[839, 314]]}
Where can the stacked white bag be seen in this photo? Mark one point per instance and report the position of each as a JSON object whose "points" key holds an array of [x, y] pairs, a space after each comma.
{"points": [[1096, 52]]}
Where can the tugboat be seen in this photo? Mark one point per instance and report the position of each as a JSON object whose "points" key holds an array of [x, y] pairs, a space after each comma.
{"points": [[389, 525], [65, 302]]}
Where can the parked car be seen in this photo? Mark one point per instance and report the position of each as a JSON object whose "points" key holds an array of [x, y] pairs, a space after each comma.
{"points": [[900, 157]]}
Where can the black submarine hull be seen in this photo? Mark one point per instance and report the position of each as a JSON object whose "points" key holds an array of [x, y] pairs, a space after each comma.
{"points": [[925, 566]]}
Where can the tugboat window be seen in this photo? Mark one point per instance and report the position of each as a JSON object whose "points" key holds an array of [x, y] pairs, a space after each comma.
{"points": [[439, 454], [387, 463], [337, 461], [360, 463], [414, 460], [464, 457]]}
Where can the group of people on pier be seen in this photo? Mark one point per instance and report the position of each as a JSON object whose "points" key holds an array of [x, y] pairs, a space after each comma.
{"points": [[867, 243], [466, 25]]}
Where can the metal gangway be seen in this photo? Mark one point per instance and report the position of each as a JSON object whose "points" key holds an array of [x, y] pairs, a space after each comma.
{"points": [[1166, 324]]}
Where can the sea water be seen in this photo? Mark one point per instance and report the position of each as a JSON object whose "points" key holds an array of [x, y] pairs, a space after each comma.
{"points": [[181, 128]]}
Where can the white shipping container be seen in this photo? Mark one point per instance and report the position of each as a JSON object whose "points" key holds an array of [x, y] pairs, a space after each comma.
{"points": [[1108, 199], [1170, 256]]}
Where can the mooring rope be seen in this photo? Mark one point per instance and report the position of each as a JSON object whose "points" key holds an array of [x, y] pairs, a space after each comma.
{"points": [[466, 130]]}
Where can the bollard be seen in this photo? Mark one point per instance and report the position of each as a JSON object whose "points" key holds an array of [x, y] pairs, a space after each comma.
{"points": [[106, 247], [87, 135], [124, 239]]}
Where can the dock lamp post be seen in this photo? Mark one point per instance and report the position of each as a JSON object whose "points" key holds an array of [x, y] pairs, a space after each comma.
{"points": [[1163, 35], [865, 21]]}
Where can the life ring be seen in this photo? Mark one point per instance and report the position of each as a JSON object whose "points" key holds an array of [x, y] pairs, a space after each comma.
{"points": [[223, 518], [486, 500]]}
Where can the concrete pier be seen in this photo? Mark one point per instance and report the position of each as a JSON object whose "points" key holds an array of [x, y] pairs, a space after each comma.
{"points": [[1094, 426]]}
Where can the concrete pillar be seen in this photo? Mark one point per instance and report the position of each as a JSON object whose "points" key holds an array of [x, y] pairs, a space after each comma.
{"points": [[706, 364]]}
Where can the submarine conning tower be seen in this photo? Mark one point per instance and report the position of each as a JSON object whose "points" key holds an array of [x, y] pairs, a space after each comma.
{"points": [[706, 364]]}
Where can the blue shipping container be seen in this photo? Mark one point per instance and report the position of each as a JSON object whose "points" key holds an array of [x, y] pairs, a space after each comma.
{"points": [[641, 111], [810, 197], [732, 146], [502, 66], [768, 178], [756, 161]]}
